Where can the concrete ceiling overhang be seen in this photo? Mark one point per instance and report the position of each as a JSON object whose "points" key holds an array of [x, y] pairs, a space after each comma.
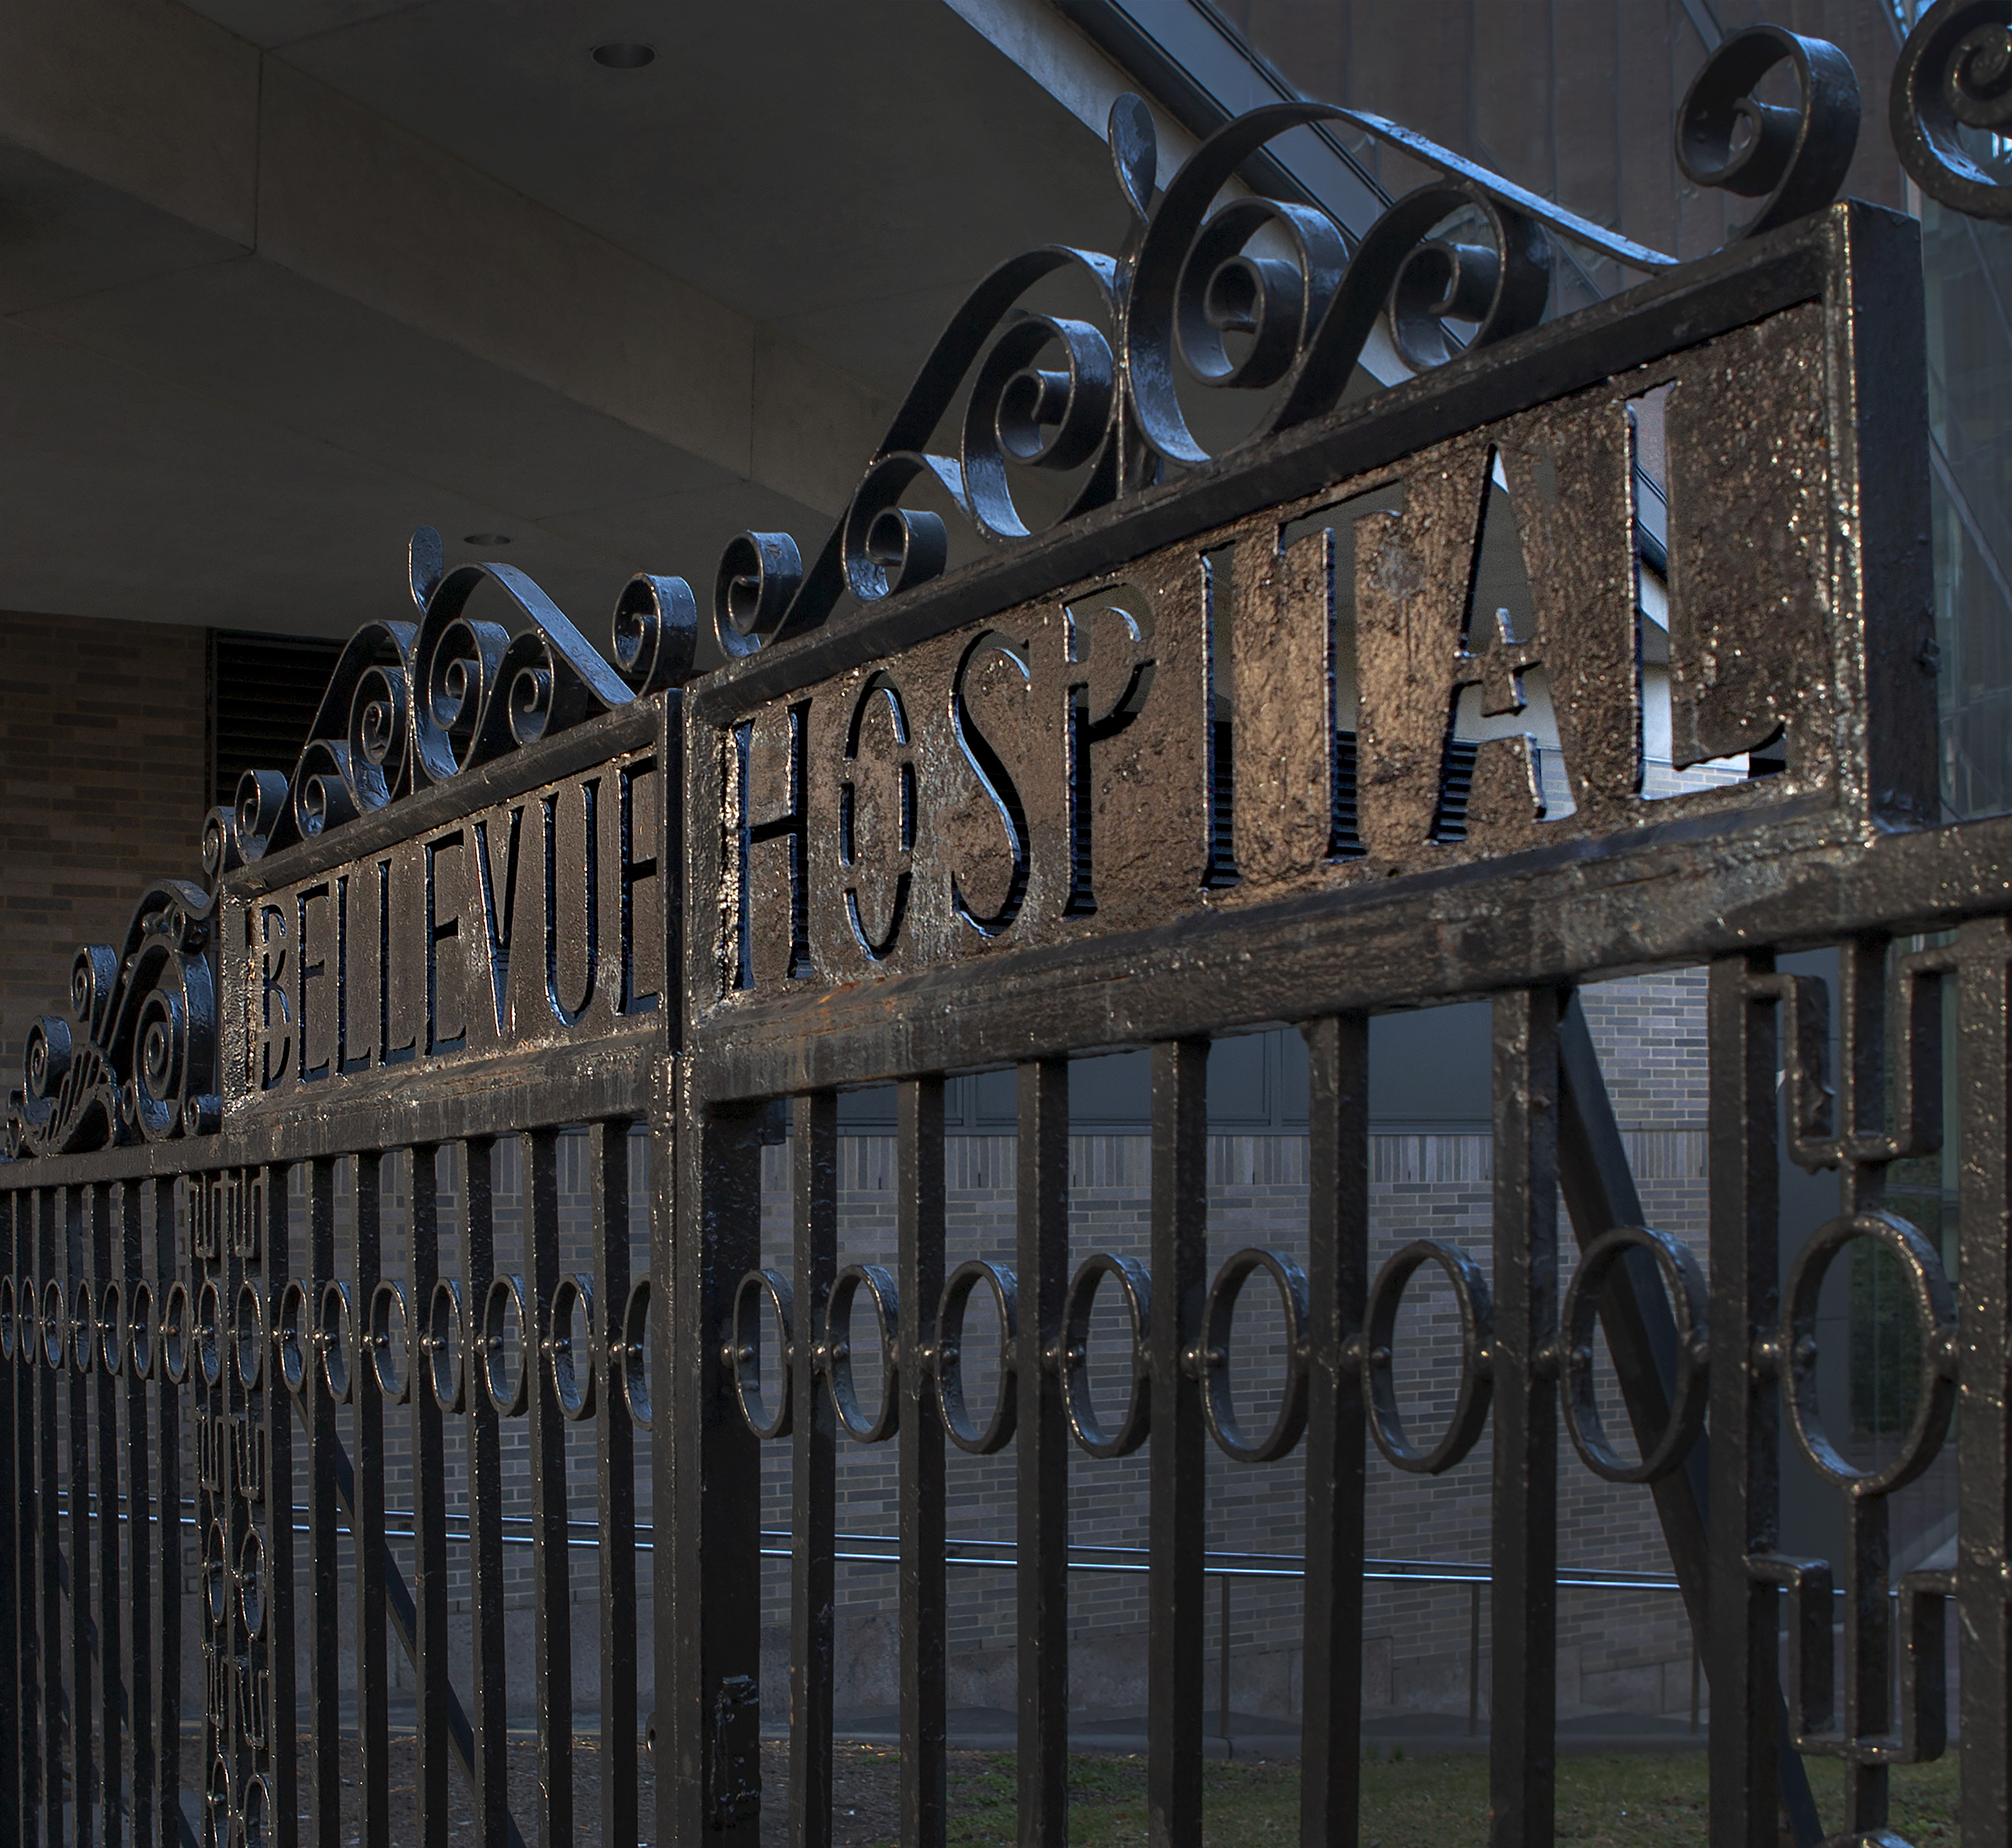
{"points": [[269, 298]]}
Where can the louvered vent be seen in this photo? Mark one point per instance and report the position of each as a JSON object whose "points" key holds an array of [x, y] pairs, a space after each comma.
{"points": [[264, 692]]}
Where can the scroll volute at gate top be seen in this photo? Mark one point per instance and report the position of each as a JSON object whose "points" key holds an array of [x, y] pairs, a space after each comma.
{"points": [[1267, 708]]}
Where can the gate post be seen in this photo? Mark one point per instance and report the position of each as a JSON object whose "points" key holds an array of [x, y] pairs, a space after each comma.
{"points": [[707, 1478]]}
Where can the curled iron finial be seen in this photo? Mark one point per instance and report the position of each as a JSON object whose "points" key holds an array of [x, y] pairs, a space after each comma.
{"points": [[655, 632], [1792, 157], [1954, 73], [1134, 152], [756, 584]]}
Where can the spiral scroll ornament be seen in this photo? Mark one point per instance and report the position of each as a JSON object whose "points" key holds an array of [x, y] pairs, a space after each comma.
{"points": [[1793, 157], [135, 1059], [1216, 289], [1950, 101], [410, 705]]}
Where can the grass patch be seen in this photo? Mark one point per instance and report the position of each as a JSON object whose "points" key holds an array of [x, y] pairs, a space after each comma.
{"points": [[1632, 1800]]}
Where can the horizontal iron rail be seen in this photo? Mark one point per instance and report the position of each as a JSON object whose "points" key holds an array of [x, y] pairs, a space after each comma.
{"points": [[1220, 1565]]}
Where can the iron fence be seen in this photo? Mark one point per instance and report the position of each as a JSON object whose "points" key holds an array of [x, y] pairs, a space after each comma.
{"points": [[1207, 754]]}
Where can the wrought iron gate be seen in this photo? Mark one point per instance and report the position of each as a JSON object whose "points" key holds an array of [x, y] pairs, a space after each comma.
{"points": [[289, 1168]]}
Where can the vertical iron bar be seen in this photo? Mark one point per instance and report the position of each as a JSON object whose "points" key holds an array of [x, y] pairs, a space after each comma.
{"points": [[1337, 1289], [83, 1779], [918, 1207], [49, 1541], [1600, 1193], [428, 1503], [485, 1510], [367, 1524], [13, 1506], [111, 1628], [608, 1158], [1523, 1706], [1984, 1419], [1868, 1634], [1223, 1666], [1746, 1488], [56, 1711], [230, 1429], [551, 1564], [198, 1214], [275, 1419], [813, 1480], [324, 1571], [168, 1539], [1473, 1660], [707, 1480], [1042, 1469], [1178, 1484]]}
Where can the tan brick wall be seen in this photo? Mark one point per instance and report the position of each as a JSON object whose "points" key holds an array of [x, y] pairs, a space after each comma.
{"points": [[104, 758]]}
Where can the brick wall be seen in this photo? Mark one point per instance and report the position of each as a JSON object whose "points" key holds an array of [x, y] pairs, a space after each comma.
{"points": [[103, 756]]}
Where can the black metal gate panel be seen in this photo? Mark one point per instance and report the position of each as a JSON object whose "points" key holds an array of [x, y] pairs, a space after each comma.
{"points": [[427, 1128]]}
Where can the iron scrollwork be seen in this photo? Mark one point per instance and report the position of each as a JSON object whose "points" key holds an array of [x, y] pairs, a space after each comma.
{"points": [[1250, 293], [1952, 88], [409, 706], [135, 1058], [1200, 290]]}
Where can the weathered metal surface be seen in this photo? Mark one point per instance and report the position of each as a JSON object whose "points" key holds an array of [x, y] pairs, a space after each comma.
{"points": [[1185, 762]]}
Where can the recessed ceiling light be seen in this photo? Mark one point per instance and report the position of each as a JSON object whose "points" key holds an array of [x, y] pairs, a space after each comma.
{"points": [[622, 54], [485, 539]]}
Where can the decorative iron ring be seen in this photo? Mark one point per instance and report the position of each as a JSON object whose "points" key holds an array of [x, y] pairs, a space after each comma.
{"points": [[506, 1295], [219, 1830], [250, 1344], [446, 1346], [1477, 1328], [216, 1574], [55, 1335], [176, 1309], [140, 1344], [743, 1348], [334, 1324], [573, 1378], [633, 1357], [27, 1297], [878, 1284], [1935, 1315], [111, 1329], [1954, 72], [1689, 1298], [83, 1327], [208, 1331], [1218, 1315], [251, 1579], [257, 1808], [387, 1299], [998, 1431], [9, 1343], [291, 1337], [1135, 1285]]}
